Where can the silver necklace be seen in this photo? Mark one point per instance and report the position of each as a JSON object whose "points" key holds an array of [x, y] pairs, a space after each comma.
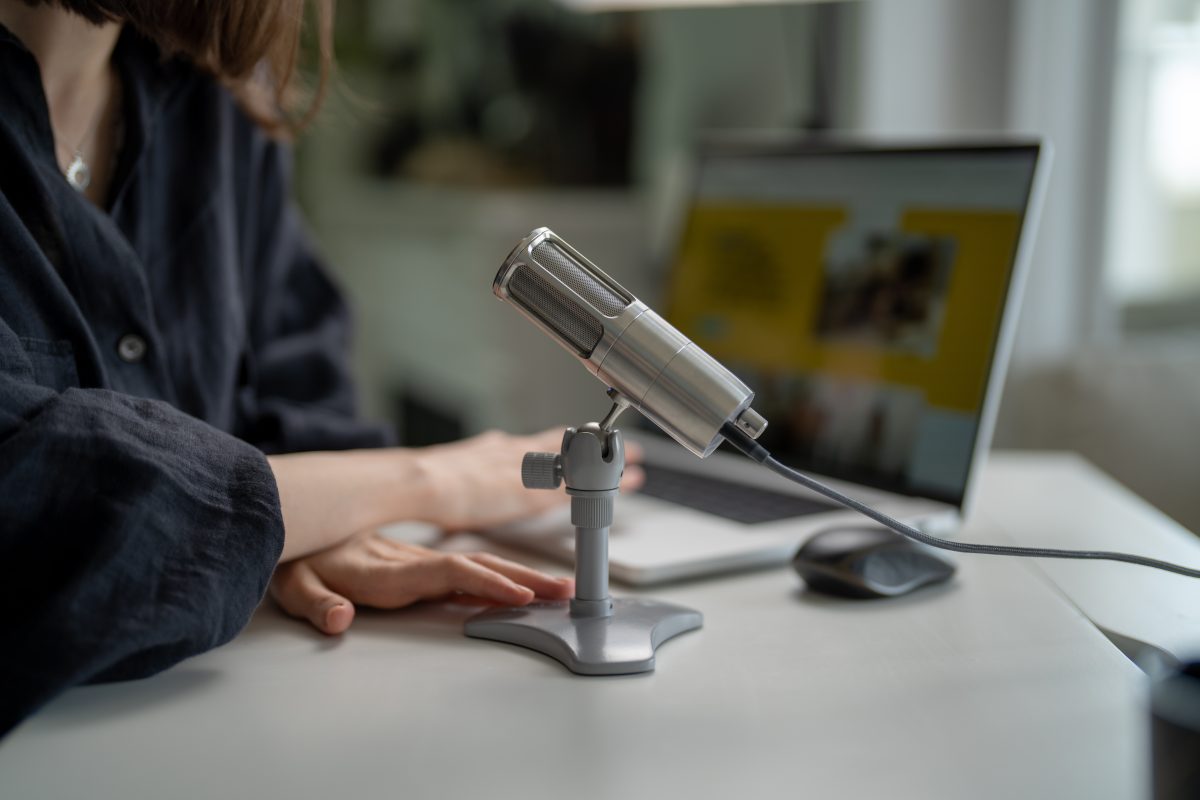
{"points": [[78, 173]]}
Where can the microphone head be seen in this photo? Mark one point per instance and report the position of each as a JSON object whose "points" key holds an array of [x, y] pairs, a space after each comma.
{"points": [[637, 353], [568, 296]]}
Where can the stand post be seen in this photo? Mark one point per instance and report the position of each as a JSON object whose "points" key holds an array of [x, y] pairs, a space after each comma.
{"points": [[592, 634], [591, 573]]}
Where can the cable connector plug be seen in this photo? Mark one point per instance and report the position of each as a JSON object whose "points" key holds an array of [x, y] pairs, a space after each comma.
{"points": [[742, 441]]}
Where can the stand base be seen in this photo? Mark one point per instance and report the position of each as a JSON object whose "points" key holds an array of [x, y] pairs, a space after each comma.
{"points": [[618, 645]]}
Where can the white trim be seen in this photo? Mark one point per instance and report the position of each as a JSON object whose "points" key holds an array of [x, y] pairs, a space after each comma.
{"points": [[1006, 336]]}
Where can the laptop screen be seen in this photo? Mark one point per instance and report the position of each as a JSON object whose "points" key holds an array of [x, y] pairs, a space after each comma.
{"points": [[859, 292]]}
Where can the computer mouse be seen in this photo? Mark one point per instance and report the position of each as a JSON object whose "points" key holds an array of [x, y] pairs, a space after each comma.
{"points": [[868, 562]]}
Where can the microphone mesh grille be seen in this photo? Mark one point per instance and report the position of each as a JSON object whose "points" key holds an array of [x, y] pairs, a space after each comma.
{"points": [[560, 264], [565, 316]]}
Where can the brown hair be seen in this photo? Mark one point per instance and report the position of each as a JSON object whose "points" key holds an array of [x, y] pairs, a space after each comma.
{"points": [[252, 46]]}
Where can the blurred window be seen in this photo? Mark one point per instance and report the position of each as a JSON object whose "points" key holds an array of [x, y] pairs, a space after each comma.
{"points": [[1154, 246]]}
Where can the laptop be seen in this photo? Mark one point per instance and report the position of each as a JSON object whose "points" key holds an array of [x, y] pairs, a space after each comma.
{"points": [[868, 294]]}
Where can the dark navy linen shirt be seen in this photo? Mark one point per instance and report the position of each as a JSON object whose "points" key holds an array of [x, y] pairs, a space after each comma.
{"points": [[150, 353]]}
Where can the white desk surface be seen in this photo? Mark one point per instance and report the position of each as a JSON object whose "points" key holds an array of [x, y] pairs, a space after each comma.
{"points": [[1061, 500], [994, 686]]}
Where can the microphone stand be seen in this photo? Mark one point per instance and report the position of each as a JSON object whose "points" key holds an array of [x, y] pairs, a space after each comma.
{"points": [[591, 634]]}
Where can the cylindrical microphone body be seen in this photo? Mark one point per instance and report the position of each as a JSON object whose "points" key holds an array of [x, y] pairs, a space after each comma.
{"points": [[634, 351]]}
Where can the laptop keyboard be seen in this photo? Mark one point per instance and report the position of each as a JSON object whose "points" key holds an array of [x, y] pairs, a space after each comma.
{"points": [[735, 501]]}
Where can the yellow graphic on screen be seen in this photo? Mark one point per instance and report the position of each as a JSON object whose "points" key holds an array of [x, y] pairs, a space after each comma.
{"points": [[917, 306], [747, 277]]}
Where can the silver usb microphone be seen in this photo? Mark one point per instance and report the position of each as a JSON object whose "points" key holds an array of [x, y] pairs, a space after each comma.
{"points": [[635, 352]]}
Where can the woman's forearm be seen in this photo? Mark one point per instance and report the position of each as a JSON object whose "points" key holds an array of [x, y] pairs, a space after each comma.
{"points": [[327, 497], [467, 485]]}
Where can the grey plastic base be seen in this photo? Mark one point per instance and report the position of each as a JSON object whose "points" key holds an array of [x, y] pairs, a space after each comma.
{"points": [[617, 645]]}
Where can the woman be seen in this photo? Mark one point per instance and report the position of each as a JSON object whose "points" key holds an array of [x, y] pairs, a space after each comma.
{"points": [[163, 325]]}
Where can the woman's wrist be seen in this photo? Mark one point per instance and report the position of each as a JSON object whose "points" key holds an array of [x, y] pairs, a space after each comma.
{"points": [[391, 485], [432, 483], [327, 497]]}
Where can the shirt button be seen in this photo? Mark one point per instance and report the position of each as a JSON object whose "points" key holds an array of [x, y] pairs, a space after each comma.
{"points": [[131, 348]]}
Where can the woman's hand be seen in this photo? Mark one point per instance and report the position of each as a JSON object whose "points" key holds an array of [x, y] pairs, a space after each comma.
{"points": [[472, 484], [371, 570], [476, 483]]}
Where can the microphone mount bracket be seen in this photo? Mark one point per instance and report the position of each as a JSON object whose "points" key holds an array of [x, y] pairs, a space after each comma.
{"points": [[591, 634]]}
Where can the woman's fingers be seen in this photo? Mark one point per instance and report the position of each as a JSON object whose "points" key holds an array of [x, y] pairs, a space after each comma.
{"points": [[470, 577], [542, 584], [442, 574], [301, 593]]}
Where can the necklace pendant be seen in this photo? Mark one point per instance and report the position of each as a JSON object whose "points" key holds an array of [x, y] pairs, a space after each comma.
{"points": [[78, 173]]}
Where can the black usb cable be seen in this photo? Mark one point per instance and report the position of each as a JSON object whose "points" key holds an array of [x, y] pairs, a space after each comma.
{"points": [[756, 452]]}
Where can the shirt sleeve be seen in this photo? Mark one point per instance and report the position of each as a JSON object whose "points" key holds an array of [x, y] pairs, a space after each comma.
{"points": [[131, 536], [302, 393]]}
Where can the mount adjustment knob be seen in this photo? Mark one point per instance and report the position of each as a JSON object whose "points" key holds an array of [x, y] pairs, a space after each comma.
{"points": [[541, 470]]}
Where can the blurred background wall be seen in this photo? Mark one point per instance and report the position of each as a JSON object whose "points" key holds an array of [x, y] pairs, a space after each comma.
{"points": [[459, 125]]}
